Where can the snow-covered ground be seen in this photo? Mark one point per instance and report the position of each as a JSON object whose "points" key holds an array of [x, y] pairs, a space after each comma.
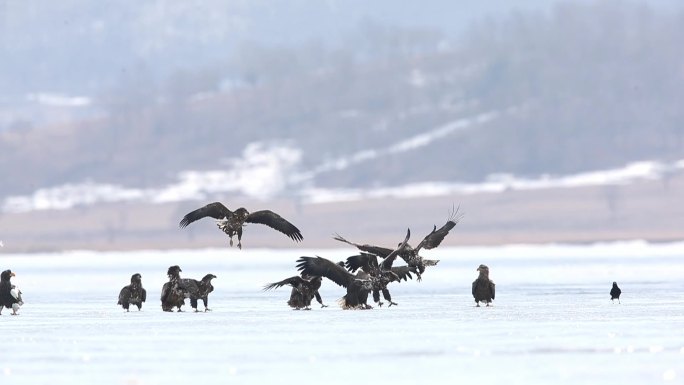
{"points": [[552, 321]]}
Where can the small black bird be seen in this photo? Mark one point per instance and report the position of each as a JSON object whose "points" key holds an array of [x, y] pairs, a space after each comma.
{"points": [[484, 289], [304, 289], [195, 290], [133, 294], [10, 296], [173, 295], [231, 222], [615, 293]]}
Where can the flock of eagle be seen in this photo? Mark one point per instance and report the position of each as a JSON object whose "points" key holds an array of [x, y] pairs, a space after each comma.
{"points": [[371, 270]]}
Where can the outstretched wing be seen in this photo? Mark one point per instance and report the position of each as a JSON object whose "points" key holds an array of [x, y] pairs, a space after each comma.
{"points": [[376, 250], [436, 237], [364, 261], [275, 221], [292, 281], [404, 272], [215, 210], [389, 260], [325, 268]]}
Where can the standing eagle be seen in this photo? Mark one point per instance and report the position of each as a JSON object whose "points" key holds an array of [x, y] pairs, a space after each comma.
{"points": [[615, 293], [358, 286], [483, 287], [304, 289], [173, 294], [133, 294], [10, 296], [409, 254], [195, 290], [231, 222]]}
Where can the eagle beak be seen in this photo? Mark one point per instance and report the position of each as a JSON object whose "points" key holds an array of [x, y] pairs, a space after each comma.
{"points": [[12, 275]]}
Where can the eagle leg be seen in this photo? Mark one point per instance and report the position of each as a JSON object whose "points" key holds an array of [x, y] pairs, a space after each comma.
{"points": [[231, 241]]}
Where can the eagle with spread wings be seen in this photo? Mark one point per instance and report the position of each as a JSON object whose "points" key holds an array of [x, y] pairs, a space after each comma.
{"points": [[232, 222], [410, 254], [358, 285]]}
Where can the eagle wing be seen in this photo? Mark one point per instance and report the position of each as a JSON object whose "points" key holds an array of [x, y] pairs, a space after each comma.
{"points": [[143, 296], [124, 295], [492, 287], [215, 210], [325, 268], [376, 250], [436, 236], [404, 272], [389, 260], [275, 221], [190, 287], [364, 261], [292, 281]]}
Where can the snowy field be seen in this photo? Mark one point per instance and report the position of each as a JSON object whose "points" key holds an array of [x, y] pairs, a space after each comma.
{"points": [[552, 321]]}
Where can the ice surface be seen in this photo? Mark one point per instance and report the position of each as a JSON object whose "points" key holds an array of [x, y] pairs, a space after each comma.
{"points": [[552, 321]]}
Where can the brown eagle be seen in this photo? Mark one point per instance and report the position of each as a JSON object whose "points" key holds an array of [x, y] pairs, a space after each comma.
{"points": [[304, 289], [484, 289], [409, 254], [133, 294], [231, 222], [358, 286]]}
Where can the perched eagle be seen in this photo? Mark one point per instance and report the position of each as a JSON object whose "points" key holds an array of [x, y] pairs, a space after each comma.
{"points": [[409, 254], [368, 263], [10, 296], [133, 294], [304, 289], [483, 287], [172, 294], [231, 222], [195, 290], [358, 286], [615, 293]]}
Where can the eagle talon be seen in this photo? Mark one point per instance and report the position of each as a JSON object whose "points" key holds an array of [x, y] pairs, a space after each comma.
{"points": [[393, 303]]}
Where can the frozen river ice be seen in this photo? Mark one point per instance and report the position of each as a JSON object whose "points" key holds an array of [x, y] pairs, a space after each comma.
{"points": [[552, 321]]}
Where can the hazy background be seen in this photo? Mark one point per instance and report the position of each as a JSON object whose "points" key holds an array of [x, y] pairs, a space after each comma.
{"points": [[546, 121]]}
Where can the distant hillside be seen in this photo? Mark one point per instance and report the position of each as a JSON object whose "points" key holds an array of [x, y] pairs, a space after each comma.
{"points": [[585, 87]]}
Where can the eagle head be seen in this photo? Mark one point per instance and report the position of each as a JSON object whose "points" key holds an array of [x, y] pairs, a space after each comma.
{"points": [[173, 271], [6, 275], [241, 213]]}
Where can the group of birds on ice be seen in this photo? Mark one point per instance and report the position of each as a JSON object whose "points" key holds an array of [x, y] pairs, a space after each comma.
{"points": [[370, 271]]}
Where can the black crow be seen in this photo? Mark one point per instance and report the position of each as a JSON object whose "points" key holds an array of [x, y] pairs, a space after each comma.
{"points": [[133, 294], [231, 222], [172, 294], [195, 290], [10, 296], [304, 289], [615, 293], [483, 287], [358, 286]]}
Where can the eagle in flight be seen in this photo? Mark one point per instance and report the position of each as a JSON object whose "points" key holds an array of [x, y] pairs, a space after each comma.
{"points": [[232, 222], [409, 254]]}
